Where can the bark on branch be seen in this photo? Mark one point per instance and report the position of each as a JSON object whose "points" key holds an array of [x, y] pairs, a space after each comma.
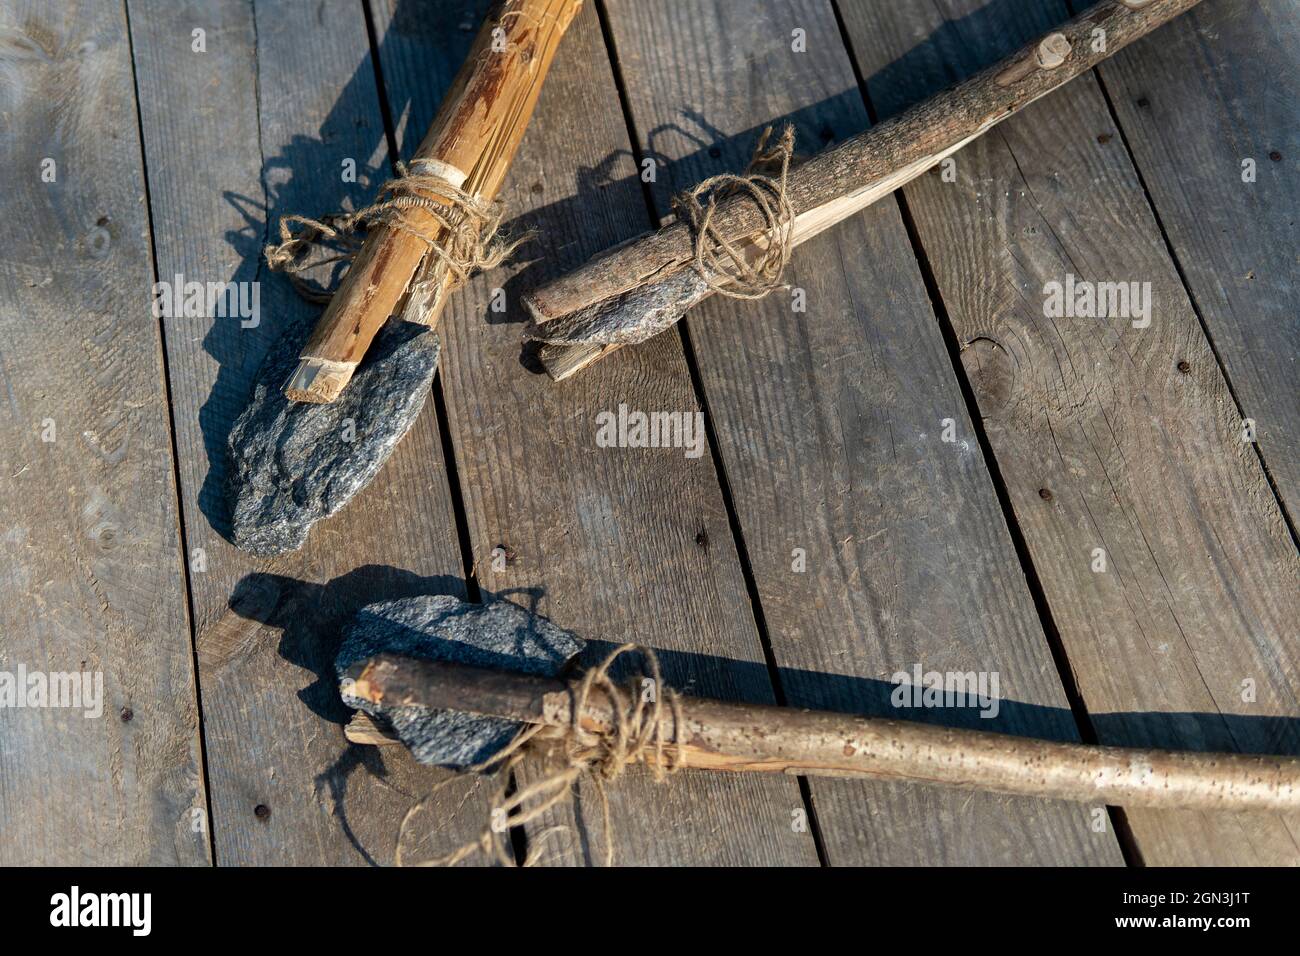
{"points": [[736, 737]]}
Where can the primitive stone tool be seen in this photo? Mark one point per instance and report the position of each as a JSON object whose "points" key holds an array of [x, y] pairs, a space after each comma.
{"points": [[300, 455], [439, 627], [641, 287], [455, 681]]}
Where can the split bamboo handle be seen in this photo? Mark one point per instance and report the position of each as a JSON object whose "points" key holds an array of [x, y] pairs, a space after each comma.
{"points": [[717, 735], [472, 142], [842, 181]]}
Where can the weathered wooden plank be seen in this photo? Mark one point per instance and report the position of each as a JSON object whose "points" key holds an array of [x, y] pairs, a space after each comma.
{"points": [[91, 576], [1109, 436], [832, 423], [1217, 88], [282, 99], [615, 543]]}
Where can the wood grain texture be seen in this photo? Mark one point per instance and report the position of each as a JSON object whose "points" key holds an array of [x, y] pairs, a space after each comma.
{"points": [[831, 424], [614, 543], [1108, 436], [267, 116], [1217, 88], [91, 573]]}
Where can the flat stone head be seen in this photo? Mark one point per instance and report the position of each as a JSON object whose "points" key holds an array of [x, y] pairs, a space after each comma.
{"points": [[624, 319], [293, 463], [442, 628]]}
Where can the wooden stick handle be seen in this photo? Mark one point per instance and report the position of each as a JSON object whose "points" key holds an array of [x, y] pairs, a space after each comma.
{"points": [[472, 142], [842, 181], [716, 735]]}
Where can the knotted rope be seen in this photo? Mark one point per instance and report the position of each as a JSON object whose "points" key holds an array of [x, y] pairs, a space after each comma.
{"points": [[722, 262], [459, 228], [638, 734]]}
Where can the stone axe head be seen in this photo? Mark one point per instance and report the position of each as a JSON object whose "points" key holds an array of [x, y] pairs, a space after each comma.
{"points": [[499, 635], [292, 463]]}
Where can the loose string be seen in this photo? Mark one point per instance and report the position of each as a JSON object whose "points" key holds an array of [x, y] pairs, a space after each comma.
{"points": [[637, 734], [722, 262], [459, 228]]}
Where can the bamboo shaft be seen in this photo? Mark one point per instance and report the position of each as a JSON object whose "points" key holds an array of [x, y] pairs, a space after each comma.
{"points": [[736, 737], [474, 136]]}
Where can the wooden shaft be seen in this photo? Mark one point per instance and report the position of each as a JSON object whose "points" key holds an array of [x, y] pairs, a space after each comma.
{"points": [[717, 735], [362, 729], [474, 138], [842, 181]]}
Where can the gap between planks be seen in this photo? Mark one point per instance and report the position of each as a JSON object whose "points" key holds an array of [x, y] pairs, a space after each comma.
{"points": [[181, 531], [715, 448]]}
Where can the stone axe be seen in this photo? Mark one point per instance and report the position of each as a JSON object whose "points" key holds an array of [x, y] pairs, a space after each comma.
{"points": [[309, 440], [456, 682], [641, 287]]}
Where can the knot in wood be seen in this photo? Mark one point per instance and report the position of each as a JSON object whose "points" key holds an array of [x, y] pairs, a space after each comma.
{"points": [[1053, 51]]}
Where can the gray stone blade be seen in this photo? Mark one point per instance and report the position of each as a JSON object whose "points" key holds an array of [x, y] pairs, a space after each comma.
{"points": [[442, 628], [293, 463]]}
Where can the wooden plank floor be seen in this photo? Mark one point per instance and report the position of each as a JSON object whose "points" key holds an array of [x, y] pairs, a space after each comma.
{"points": [[93, 572], [1130, 431], [850, 399], [264, 120], [921, 469]]}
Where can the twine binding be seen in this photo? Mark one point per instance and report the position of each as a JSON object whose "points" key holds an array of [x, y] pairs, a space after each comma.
{"points": [[462, 235], [638, 733], [722, 262]]}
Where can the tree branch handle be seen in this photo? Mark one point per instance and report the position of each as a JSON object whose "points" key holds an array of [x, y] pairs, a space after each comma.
{"points": [[737, 737], [842, 181]]}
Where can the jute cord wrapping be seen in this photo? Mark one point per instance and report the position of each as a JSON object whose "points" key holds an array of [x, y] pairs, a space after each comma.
{"points": [[722, 262], [459, 228], [574, 753]]}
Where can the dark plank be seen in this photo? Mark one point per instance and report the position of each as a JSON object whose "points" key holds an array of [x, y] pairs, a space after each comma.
{"points": [[92, 574], [831, 425], [618, 544], [1103, 440], [1219, 86], [284, 93]]}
